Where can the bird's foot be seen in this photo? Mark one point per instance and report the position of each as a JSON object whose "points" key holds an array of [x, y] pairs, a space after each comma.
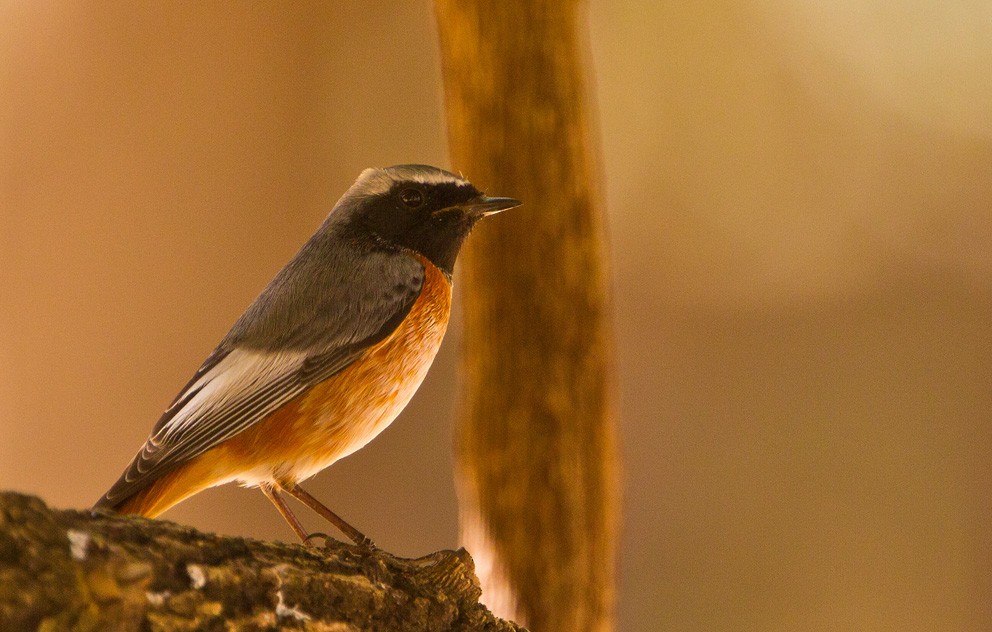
{"points": [[309, 540]]}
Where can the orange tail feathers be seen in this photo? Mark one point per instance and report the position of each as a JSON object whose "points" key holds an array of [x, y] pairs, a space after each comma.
{"points": [[188, 479]]}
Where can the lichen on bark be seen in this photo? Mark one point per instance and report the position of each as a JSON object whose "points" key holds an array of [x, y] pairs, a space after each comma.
{"points": [[70, 570]]}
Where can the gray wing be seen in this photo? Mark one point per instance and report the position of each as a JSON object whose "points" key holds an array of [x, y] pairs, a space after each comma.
{"points": [[309, 323]]}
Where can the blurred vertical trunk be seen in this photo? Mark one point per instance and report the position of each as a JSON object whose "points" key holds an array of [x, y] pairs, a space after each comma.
{"points": [[537, 454]]}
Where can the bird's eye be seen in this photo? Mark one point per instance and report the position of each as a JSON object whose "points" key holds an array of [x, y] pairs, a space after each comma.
{"points": [[412, 197]]}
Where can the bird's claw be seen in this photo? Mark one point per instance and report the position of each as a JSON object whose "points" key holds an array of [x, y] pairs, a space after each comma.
{"points": [[308, 541]]}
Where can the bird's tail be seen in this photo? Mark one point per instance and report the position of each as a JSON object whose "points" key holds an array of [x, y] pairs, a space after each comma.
{"points": [[139, 504], [161, 493]]}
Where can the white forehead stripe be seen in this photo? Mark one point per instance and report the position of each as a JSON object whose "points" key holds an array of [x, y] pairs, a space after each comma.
{"points": [[375, 181]]}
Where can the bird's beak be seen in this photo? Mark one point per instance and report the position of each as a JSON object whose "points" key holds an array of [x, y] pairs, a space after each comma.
{"points": [[484, 206]]}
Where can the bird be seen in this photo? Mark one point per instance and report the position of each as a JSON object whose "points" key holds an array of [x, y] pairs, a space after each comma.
{"points": [[325, 357]]}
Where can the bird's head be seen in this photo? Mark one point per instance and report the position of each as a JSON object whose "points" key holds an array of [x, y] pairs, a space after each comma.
{"points": [[417, 207]]}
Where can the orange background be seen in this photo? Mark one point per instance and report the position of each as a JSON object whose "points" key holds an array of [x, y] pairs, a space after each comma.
{"points": [[800, 221]]}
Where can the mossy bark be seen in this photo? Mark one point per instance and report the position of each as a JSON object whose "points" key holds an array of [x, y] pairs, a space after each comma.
{"points": [[69, 570]]}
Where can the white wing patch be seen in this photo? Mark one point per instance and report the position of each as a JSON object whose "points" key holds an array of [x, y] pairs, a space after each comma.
{"points": [[241, 389], [242, 374]]}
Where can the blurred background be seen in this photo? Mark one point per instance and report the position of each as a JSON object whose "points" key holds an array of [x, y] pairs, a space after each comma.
{"points": [[800, 220]]}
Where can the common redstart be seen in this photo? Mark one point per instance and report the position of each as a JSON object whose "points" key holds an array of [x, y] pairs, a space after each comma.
{"points": [[327, 355]]}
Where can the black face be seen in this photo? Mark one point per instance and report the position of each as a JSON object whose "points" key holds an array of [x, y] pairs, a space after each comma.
{"points": [[425, 218]]}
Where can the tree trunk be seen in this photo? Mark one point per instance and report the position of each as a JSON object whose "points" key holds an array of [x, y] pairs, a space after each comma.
{"points": [[68, 570], [537, 454]]}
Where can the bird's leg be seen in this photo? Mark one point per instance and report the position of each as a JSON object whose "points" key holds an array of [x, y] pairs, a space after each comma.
{"points": [[272, 494], [301, 495]]}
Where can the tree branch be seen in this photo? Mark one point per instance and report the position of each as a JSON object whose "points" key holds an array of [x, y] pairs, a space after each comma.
{"points": [[537, 455], [70, 570]]}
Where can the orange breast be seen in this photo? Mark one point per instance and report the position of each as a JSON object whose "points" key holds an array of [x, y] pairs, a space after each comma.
{"points": [[325, 423]]}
